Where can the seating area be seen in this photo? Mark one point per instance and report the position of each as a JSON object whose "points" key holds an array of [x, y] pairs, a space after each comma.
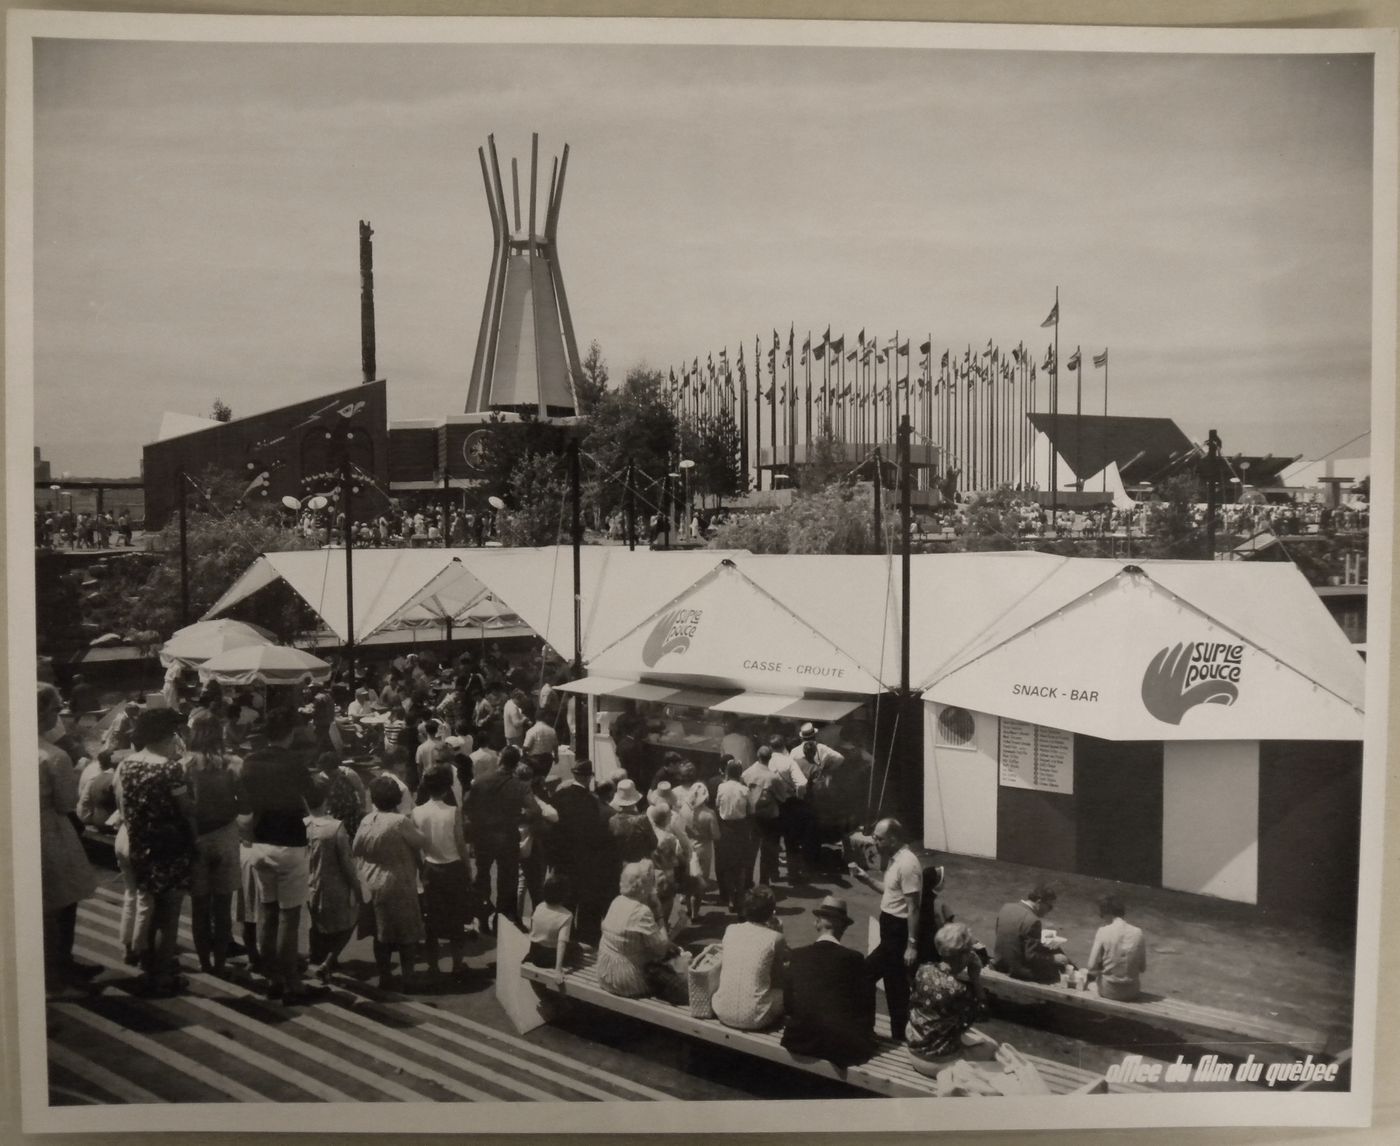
{"points": [[889, 1072], [1192, 1021]]}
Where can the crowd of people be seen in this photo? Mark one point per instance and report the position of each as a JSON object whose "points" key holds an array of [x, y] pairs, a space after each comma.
{"points": [[477, 810], [1244, 519], [64, 529]]}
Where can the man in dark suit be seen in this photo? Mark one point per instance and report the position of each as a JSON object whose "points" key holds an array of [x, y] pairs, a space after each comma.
{"points": [[1020, 952], [829, 996], [580, 847]]}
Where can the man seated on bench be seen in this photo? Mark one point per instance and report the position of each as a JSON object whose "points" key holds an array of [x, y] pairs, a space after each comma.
{"points": [[1020, 951], [829, 995], [1119, 954]]}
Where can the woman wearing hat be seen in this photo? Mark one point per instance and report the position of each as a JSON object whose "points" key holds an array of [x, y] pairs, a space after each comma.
{"points": [[631, 830]]}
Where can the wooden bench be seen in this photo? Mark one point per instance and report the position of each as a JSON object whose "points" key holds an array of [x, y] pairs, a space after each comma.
{"points": [[1190, 1020], [888, 1072]]}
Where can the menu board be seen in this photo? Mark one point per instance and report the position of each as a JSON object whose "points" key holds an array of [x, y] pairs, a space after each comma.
{"points": [[1030, 756]]}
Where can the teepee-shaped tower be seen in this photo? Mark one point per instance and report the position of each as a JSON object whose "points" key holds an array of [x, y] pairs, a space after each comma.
{"points": [[526, 355]]}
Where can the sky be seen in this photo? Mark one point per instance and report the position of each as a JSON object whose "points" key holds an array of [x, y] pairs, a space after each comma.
{"points": [[1207, 218]]}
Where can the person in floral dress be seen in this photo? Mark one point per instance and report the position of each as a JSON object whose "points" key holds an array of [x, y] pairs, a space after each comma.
{"points": [[943, 1004], [157, 808]]}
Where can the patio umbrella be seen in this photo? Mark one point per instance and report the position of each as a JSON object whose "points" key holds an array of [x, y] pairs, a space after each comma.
{"points": [[264, 664], [195, 644]]}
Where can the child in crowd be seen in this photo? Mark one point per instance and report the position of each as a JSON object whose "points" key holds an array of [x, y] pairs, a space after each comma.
{"points": [[333, 887], [551, 926]]}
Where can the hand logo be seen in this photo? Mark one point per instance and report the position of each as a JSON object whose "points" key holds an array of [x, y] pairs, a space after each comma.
{"points": [[1164, 691], [664, 640]]}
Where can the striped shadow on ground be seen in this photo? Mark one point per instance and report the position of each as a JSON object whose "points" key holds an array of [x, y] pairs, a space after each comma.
{"points": [[221, 1041]]}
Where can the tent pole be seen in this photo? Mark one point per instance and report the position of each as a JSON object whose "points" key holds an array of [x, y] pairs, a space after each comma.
{"points": [[576, 538], [184, 552], [349, 558]]}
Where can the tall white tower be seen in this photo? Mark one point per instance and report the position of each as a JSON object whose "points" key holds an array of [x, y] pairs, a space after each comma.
{"points": [[526, 355]]}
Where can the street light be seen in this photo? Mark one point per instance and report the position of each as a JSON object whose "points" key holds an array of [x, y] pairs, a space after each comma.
{"points": [[686, 466]]}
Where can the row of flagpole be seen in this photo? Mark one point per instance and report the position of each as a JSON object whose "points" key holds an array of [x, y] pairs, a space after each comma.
{"points": [[973, 407]]}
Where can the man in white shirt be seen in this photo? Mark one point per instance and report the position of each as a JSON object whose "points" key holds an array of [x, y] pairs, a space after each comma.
{"points": [[900, 892], [513, 719], [792, 813], [734, 848], [541, 744], [767, 793], [429, 747], [362, 705]]}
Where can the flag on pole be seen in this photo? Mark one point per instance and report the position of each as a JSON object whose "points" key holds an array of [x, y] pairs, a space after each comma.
{"points": [[1073, 363], [861, 336], [1054, 316], [943, 364], [838, 345], [904, 350], [988, 352], [926, 347], [1049, 363], [1101, 359]]}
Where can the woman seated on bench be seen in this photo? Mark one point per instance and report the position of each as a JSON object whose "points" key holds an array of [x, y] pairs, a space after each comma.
{"points": [[943, 1004], [634, 945], [750, 992]]}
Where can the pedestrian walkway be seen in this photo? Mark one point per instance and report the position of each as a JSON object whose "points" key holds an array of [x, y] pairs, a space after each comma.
{"points": [[223, 1042]]}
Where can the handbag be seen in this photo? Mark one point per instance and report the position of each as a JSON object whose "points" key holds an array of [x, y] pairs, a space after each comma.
{"points": [[702, 980]]}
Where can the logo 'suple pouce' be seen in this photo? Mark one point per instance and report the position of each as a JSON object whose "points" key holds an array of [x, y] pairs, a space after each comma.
{"points": [[1190, 673], [672, 634]]}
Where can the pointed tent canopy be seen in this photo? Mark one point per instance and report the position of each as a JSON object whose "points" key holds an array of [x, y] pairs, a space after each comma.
{"points": [[409, 587], [384, 579], [1167, 651], [726, 631]]}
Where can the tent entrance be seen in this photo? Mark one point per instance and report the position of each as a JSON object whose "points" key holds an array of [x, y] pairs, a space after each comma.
{"points": [[1118, 793]]}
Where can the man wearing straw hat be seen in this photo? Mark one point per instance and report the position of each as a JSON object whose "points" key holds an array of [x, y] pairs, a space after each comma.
{"points": [[829, 996]]}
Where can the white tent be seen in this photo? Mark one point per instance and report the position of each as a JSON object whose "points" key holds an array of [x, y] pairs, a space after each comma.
{"points": [[409, 587], [1169, 650]]}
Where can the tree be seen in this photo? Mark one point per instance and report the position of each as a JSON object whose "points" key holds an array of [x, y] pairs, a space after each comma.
{"points": [[633, 423], [591, 382], [1174, 532], [537, 511], [827, 462], [837, 519], [993, 521], [221, 411], [712, 442]]}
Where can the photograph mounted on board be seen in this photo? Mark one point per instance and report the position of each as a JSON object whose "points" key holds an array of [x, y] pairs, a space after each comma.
{"points": [[542, 595]]}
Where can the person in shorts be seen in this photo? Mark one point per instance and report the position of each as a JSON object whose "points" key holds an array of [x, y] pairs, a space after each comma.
{"points": [[278, 787]]}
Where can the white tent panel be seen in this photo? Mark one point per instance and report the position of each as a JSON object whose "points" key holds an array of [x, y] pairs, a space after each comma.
{"points": [[728, 632], [1131, 662], [787, 707]]}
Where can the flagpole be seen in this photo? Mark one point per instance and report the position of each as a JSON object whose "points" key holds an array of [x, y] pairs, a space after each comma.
{"points": [[1079, 418], [1055, 417], [758, 419], [807, 384], [1105, 410]]}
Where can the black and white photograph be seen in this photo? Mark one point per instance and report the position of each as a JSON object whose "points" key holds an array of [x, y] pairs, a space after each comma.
{"points": [[647, 575]]}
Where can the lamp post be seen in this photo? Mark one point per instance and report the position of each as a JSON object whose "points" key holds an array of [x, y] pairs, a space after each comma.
{"points": [[687, 464]]}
